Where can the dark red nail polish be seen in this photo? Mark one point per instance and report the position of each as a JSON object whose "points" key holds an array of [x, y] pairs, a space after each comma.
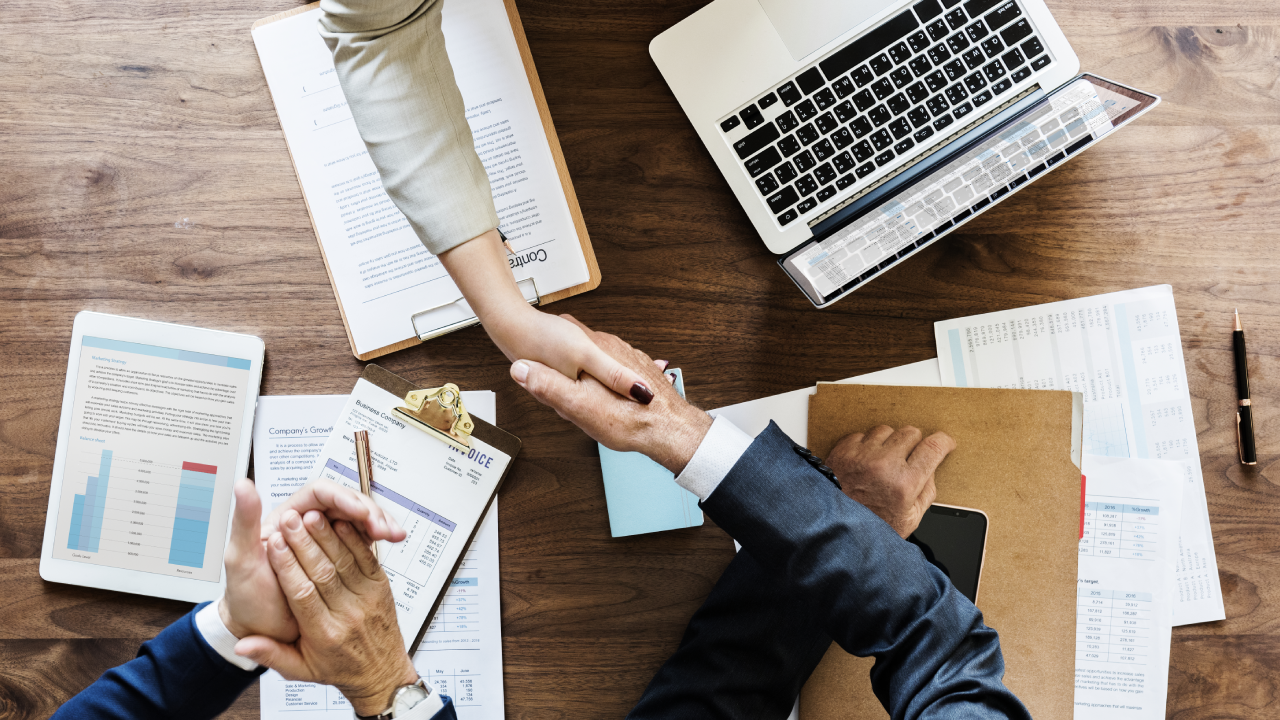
{"points": [[642, 394]]}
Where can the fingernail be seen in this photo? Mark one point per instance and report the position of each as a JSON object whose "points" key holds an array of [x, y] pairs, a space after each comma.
{"points": [[292, 521], [662, 364], [277, 541], [642, 394], [520, 372]]}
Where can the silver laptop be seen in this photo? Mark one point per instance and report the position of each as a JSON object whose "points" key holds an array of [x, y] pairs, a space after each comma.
{"points": [[856, 133]]}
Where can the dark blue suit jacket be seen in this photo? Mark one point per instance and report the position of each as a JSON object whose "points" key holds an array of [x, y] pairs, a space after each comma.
{"points": [[176, 675]]}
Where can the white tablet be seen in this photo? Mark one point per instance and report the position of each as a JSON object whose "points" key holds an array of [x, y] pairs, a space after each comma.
{"points": [[155, 428]]}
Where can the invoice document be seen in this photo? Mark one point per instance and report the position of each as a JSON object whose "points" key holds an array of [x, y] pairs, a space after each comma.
{"points": [[380, 271], [1123, 351], [1125, 587]]}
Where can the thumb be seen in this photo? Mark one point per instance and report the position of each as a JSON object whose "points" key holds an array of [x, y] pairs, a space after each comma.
{"points": [[616, 376], [245, 524], [548, 386], [284, 659]]}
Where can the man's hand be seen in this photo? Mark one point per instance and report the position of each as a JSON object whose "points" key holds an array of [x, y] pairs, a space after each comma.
{"points": [[891, 472], [252, 603], [668, 429], [337, 503], [349, 636]]}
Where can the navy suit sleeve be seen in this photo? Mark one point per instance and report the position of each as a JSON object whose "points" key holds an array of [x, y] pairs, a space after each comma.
{"points": [[876, 592], [175, 675]]}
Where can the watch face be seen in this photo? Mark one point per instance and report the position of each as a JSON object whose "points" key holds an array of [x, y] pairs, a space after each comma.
{"points": [[408, 698]]}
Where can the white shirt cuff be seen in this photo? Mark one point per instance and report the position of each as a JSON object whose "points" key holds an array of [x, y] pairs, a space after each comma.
{"points": [[210, 625], [715, 457], [426, 709]]}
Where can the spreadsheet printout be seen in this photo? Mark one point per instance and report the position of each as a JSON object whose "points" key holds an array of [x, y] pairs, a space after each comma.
{"points": [[1125, 587], [1123, 351]]}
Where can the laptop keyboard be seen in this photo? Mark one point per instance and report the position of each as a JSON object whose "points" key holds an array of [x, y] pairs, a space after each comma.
{"points": [[865, 108]]}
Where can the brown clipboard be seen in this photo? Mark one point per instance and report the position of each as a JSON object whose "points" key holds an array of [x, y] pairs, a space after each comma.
{"points": [[557, 154], [492, 435]]}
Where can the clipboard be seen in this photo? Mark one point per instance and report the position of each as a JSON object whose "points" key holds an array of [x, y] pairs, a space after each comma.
{"points": [[456, 314], [488, 436]]}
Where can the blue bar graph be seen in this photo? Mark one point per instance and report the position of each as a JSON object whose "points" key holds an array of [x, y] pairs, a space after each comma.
{"points": [[87, 509], [191, 517]]}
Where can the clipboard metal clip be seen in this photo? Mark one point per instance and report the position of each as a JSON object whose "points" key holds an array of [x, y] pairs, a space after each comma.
{"points": [[439, 412], [457, 314]]}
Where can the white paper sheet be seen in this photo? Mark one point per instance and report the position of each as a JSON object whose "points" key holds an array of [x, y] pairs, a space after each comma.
{"points": [[381, 272], [289, 431], [461, 654], [1124, 352], [1125, 587]]}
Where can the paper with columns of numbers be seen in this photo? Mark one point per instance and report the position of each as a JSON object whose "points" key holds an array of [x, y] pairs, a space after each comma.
{"points": [[461, 653], [1125, 587], [1123, 351]]}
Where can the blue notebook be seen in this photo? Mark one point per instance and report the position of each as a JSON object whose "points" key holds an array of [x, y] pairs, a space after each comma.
{"points": [[643, 496]]}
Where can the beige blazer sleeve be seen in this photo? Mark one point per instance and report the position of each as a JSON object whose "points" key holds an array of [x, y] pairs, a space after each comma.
{"points": [[393, 68]]}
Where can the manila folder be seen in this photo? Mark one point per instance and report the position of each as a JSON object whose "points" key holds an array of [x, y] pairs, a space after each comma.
{"points": [[1013, 461]]}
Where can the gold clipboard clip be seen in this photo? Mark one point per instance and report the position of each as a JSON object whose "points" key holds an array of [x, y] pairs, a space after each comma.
{"points": [[439, 412]]}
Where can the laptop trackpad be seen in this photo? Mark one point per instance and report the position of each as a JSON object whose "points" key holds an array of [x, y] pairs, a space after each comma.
{"points": [[806, 25]]}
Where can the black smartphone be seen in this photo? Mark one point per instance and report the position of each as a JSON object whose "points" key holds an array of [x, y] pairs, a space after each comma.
{"points": [[954, 539]]}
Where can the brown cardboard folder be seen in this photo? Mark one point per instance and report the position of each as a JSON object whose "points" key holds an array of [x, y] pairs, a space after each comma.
{"points": [[1013, 460]]}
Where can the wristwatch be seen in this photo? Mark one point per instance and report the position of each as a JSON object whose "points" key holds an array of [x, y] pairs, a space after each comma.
{"points": [[405, 699]]}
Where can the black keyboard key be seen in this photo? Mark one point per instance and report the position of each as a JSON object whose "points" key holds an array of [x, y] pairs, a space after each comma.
{"points": [[958, 43], [751, 116], [882, 88], [846, 181], [806, 185], [768, 100], [1056, 159], [961, 215], [960, 111], [936, 81], [789, 94], [824, 173], [787, 217], [864, 100], [977, 7], [767, 184], [917, 93], [999, 193], [1017, 182], [900, 128], [843, 162], [1001, 86], [824, 98], [923, 134], [823, 150], [861, 50], [900, 77], [954, 69], [1003, 15], [918, 41], [1032, 47], [756, 141], [938, 54], [826, 122], [883, 158], [941, 122], [937, 30], [880, 115], [845, 112], [785, 173], [862, 76], [860, 127], [1013, 58], [787, 121], [865, 170], [806, 205], [808, 134], [906, 251], [843, 87], [898, 104], [1016, 31], [924, 240], [982, 98], [976, 31], [1036, 170], [842, 138], [992, 46], [956, 19], [826, 193], [956, 93], [928, 10], [789, 145], [975, 82], [810, 80], [880, 64], [882, 139], [1079, 144], [920, 66], [980, 204], [806, 110], [730, 123], [937, 105], [900, 53], [1040, 62], [862, 151], [762, 162], [973, 58], [804, 161], [918, 117], [782, 200], [1020, 75], [993, 70]]}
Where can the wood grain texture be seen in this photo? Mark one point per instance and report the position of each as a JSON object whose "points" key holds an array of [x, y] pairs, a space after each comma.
{"points": [[144, 173]]}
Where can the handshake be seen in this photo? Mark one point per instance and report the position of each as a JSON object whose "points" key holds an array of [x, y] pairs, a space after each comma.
{"points": [[307, 597]]}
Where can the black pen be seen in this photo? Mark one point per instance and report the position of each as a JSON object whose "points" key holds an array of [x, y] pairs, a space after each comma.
{"points": [[1244, 409]]}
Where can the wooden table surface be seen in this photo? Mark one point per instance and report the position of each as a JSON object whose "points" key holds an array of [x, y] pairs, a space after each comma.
{"points": [[144, 173]]}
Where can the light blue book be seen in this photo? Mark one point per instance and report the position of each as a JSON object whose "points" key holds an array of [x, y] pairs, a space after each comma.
{"points": [[643, 496]]}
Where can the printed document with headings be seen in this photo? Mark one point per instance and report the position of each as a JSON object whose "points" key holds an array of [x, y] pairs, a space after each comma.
{"points": [[289, 431], [1125, 587], [461, 653], [1123, 351], [380, 271]]}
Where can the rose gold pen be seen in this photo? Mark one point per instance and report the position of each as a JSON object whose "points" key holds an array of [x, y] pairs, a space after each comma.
{"points": [[364, 466]]}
